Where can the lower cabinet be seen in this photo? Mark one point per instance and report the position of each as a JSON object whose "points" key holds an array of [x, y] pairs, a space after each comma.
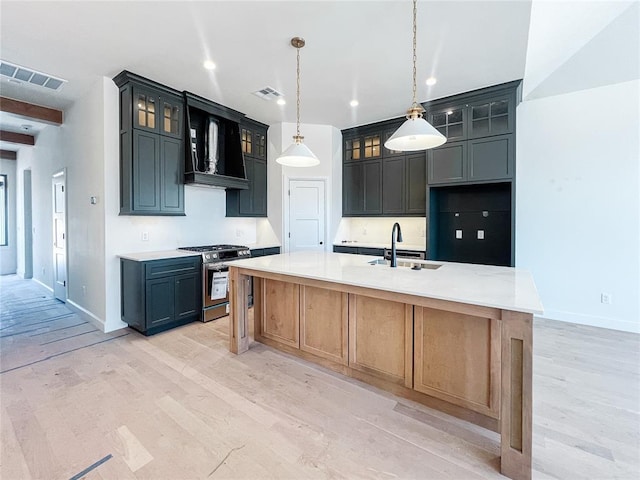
{"points": [[377, 252], [323, 323], [160, 294], [447, 355], [381, 338], [281, 314]]}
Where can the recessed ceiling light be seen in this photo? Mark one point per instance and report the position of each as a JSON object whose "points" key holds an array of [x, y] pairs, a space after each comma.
{"points": [[209, 65], [431, 81], [281, 101], [354, 103]]}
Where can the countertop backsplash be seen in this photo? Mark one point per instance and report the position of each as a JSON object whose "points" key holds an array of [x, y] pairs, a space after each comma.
{"points": [[369, 230]]}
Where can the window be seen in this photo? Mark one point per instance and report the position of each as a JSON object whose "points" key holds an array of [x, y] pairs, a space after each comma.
{"points": [[3, 210]]}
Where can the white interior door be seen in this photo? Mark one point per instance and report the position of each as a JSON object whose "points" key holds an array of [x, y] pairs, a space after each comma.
{"points": [[306, 215], [59, 236]]}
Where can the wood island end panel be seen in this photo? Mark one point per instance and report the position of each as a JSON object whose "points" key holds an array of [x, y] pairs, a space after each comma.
{"points": [[457, 358]]}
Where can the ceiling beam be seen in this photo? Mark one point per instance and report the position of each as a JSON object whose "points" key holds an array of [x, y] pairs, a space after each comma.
{"points": [[31, 111], [8, 155], [14, 137]]}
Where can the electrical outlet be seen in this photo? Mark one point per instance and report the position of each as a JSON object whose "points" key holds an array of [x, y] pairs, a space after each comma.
{"points": [[84, 290], [422, 232], [364, 231], [145, 236], [606, 298], [43, 271], [480, 234], [458, 234], [239, 233]]}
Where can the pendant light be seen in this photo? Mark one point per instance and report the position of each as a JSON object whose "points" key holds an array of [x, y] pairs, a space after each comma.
{"points": [[298, 154], [415, 133]]}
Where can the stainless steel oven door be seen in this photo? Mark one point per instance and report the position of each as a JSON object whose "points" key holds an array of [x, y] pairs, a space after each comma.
{"points": [[214, 305]]}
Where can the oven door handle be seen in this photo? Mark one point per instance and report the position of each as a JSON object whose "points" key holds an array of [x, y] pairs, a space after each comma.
{"points": [[216, 267]]}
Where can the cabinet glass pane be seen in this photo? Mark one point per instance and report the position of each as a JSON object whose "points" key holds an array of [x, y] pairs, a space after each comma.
{"points": [[260, 144], [454, 117], [454, 131], [372, 146], [247, 141], [443, 131], [499, 108], [480, 127], [499, 124], [439, 119], [353, 149], [171, 119], [146, 111], [480, 111]]}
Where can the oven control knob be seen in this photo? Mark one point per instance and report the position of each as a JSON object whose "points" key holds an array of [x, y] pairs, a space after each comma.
{"points": [[206, 257], [214, 255]]}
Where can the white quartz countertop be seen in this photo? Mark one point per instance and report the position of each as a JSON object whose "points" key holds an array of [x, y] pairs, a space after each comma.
{"points": [[399, 246], [254, 246], [497, 287], [145, 256]]}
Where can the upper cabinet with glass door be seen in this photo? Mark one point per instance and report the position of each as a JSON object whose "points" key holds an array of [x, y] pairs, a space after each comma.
{"points": [[490, 117], [253, 138], [363, 147], [450, 121], [157, 112]]}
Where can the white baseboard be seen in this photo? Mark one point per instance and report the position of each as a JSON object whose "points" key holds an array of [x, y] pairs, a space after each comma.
{"points": [[45, 286], [593, 321], [85, 314]]}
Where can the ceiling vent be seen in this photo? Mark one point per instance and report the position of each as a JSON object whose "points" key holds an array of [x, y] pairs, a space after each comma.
{"points": [[18, 74], [268, 93]]}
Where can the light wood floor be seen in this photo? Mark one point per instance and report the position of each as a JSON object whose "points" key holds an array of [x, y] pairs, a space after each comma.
{"points": [[77, 403]]}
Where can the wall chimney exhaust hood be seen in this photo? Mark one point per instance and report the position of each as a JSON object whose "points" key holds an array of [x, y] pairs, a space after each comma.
{"points": [[213, 149]]}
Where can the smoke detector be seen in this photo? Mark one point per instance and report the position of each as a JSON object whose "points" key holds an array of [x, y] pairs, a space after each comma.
{"points": [[268, 93], [23, 75]]}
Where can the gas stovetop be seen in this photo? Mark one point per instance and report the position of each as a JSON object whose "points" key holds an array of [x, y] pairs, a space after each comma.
{"points": [[219, 253]]}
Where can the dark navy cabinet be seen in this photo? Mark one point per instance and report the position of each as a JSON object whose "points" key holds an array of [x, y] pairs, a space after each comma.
{"points": [[251, 202], [160, 294], [471, 178], [377, 181], [151, 147], [480, 131]]}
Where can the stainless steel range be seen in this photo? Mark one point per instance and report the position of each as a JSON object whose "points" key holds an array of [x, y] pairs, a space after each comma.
{"points": [[215, 277]]}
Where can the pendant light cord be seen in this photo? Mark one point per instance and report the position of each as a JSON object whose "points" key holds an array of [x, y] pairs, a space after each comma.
{"points": [[298, 91], [415, 57]]}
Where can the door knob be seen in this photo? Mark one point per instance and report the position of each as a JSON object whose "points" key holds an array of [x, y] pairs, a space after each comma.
{"points": [[321, 243]]}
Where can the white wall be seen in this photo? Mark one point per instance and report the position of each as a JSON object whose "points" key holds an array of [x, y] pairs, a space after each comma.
{"points": [[8, 253], [325, 142], [43, 159], [578, 203]]}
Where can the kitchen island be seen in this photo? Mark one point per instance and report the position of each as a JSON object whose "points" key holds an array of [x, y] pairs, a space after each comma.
{"points": [[456, 337]]}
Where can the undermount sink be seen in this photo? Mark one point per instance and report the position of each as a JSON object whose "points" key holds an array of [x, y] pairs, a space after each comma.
{"points": [[412, 264]]}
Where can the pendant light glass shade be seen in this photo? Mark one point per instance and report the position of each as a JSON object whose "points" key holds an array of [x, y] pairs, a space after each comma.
{"points": [[415, 133], [298, 154]]}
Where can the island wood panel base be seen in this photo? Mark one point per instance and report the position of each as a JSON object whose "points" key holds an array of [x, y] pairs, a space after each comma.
{"points": [[323, 323], [507, 335], [380, 338]]}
